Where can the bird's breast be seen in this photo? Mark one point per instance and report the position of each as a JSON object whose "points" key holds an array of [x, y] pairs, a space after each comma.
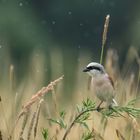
{"points": [[102, 88]]}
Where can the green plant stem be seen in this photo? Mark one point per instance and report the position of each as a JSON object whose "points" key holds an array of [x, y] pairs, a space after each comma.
{"points": [[74, 121], [102, 53]]}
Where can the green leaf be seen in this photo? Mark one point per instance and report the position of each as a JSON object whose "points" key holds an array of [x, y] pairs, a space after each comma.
{"points": [[62, 114], [79, 108], [88, 104], [45, 133], [132, 102], [84, 124], [59, 122], [87, 136], [84, 117]]}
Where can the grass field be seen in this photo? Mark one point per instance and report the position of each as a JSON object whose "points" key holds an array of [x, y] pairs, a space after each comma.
{"points": [[50, 112], [32, 109]]}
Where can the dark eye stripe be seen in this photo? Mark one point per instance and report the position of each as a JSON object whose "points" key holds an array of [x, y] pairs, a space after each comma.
{"points": [[93, 67]]}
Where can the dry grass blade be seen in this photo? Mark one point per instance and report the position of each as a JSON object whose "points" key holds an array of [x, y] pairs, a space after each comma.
{"points": [[31, 126], [11, 76], [97, 135], [23, 125], [4, 115], [37, 96], [37, 117], [138, 80], [55, 101], [41, 93], [119, 135], [135, 124], [0, 135]]}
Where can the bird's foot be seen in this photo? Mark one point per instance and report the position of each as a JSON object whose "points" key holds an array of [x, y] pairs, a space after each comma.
{"points": [[99, 108], [110, 107]]}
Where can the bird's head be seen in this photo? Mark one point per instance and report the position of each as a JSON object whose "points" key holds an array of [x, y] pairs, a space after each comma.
{"points": [[94, 69]]}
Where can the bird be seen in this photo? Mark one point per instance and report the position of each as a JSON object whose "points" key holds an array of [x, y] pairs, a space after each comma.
{"points": [[101, 84]]}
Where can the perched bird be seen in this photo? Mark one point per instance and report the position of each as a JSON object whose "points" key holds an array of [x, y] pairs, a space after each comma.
{"points": [[101, 84]]}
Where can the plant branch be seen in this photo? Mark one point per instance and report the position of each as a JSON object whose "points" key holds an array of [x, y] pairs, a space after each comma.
{"points": [[75, 119], [117, 111]]}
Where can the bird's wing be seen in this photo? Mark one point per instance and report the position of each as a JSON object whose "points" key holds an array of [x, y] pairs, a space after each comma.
{"points": [[111, 81]]}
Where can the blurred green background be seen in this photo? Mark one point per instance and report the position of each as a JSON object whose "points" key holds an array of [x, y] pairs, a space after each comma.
{"points": [[62, 36]]}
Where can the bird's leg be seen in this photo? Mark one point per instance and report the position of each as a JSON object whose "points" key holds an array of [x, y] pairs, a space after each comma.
{"points": [[98, 107]]}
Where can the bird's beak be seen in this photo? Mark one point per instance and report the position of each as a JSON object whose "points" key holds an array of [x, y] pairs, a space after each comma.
{"points": [[85, 70]]}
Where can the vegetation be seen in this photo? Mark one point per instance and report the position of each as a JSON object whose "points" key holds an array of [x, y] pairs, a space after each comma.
{"points": [[46, 116]]}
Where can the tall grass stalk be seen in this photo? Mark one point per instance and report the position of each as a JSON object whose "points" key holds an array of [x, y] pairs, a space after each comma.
{"points": [[138, 81], [4, 116], [11, 77], [37, 117], [104, 37], [119, 135], [31, 126], [55, 101], [25, 119], [36, 97], [138, 62], [0, 135]]}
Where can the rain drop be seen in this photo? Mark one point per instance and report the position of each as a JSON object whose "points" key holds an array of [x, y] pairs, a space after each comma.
{"points": [[20, 4], [53, 22], [69, 12]]}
